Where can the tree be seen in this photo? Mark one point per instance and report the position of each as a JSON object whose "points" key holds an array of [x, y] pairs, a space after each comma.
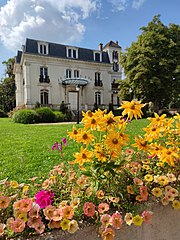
{"points": [[152, 65], [8, 88]]}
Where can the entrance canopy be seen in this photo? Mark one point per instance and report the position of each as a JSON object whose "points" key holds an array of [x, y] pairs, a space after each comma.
{"points": [[74, 81]]}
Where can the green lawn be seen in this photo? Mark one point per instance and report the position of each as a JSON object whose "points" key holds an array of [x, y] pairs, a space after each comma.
{"points": [[26, 149]]}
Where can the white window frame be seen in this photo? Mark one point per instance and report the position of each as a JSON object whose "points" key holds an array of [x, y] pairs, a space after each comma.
{"points": [[71, 49], [98, 98], [100, 53], [68, 73], [76, 73], [44, 93], [45, 50]]}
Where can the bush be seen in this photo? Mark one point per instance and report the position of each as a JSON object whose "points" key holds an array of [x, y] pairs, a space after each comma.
{"points": [[25, 116], [46, 115], [68, 117], [2, 114], [59, 116]]}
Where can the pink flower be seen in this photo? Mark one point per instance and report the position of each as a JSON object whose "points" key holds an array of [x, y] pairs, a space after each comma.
{"points": [[116, 220], [103, 207], [147, 216], [89, 209], [18, 225], [44, 198], [64, 141], [57, 146], [105, 220]]}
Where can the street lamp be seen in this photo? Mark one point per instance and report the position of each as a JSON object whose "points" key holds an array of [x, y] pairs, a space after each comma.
{"points": [[77, 89], [131, 94]]}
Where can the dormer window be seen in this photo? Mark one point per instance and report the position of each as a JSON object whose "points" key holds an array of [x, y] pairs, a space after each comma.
{"points": [[72, 52], [43, 48], [97, 57]]}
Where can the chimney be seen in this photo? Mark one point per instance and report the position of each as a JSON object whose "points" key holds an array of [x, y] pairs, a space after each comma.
{"points": [[100, 47], [117, 42]]}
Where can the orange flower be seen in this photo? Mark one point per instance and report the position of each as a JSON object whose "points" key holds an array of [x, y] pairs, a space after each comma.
{"points": [[103, 207], [108, 234], [2, 227], [25, 205], [100, 194], [34, 222], [40, 228], [67, 212], [130, 189], [57, 215], [89, 209], [4, 202], [18, 225], [34, 212], [116, 220], [105, 220], [72, 226], [147, 216], [48, 212]]}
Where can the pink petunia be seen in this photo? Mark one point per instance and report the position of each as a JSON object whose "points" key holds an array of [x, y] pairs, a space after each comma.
{"points": [[44, 198], [116, 220], [89, 209], [147, 216]]}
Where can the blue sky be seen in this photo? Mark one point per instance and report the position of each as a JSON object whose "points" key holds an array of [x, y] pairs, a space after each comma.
{"points": [[83, 23]]}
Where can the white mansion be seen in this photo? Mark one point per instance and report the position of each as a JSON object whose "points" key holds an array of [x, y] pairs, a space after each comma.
{"points": [[50, 73]]}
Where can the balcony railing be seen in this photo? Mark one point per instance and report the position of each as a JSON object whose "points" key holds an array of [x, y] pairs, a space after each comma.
{"points": [[114, 85], [44, 79], [98, 83]]}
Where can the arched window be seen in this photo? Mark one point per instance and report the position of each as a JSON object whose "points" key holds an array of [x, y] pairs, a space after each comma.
{"points": [[44, 97]]}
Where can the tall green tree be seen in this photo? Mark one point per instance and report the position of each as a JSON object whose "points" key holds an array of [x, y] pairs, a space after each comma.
{"points": [[7, 87], [152, 65]]}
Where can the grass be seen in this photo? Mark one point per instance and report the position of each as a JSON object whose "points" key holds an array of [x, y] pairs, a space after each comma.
{"points": [[26, 149]]}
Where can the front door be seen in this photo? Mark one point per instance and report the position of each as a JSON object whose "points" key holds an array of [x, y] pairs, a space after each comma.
{"points": [[73, 100]]}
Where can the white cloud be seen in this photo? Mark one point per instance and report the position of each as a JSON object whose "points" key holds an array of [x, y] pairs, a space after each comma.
{"points": [[137, 3], [119, 5], [51, 20]]}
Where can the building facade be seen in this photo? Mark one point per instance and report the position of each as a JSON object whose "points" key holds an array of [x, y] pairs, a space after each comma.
{"points": [[49, 73]]}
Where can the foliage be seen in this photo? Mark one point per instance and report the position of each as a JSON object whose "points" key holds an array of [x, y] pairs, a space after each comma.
{"points": [[2, 114], [46, 115], [7, 87], [152, 65], [112, 184], [26, 116], [59, 116]]}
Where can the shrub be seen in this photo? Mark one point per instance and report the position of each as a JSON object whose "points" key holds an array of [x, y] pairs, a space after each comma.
{"points": [[59, 116], [2, 114], [68, 116], [46, 115], [26, 116]]}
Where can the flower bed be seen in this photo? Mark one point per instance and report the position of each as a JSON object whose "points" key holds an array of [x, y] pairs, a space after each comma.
{"points": [[108, 184]]}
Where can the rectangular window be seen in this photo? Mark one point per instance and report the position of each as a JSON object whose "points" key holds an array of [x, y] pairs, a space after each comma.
{"points": [[98, 81], [68, 73], [44, 71], [44, 97], [98, 98], [76, 73], [43, 49], [74, 53], [69, 53], [97, 57]]}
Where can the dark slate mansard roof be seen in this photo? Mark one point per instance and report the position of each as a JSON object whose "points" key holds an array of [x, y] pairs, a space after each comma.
{"points": [[59, 51]]}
